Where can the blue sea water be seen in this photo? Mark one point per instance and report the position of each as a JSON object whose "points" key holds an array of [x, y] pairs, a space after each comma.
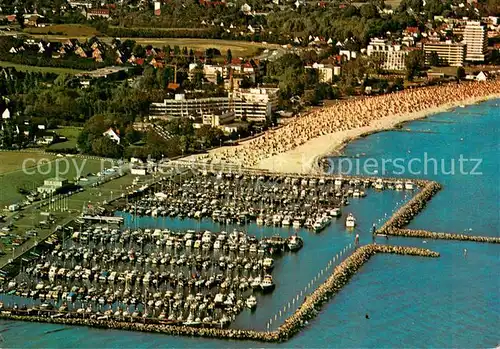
{"points": [[412, 302]]}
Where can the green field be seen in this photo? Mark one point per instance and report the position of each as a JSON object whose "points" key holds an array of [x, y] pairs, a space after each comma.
{"points": [[71, 133], [67, 167], [32, 68], [13, 160], [69, 30]]}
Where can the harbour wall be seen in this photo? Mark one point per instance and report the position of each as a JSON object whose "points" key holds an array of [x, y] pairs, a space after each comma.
{"points": [[309, 308], [394, 226]]}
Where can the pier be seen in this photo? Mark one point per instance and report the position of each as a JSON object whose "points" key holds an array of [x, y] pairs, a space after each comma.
{"points": [[105, 219]]}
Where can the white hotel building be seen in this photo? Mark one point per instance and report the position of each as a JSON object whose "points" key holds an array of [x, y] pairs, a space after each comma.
{"points": [[393, 57], [476, 39], [254, 104]]}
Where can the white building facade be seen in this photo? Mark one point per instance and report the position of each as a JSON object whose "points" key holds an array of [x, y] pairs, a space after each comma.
{"points": [[255, 104], [476, 39], [393, 56]]}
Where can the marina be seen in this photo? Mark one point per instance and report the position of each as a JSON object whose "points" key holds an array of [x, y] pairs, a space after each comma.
{"points": [[307, 310], [104, 268], [189, 278]]}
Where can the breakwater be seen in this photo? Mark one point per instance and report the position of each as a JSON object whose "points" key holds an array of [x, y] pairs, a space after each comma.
{"points": [[339, 278], [443, 236], [394, 226], [407, 212]]}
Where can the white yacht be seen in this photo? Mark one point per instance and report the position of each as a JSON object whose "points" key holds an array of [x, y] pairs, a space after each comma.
{"points": [[268, 263], [256, 282], [335, 212], [295, 243], [251, 302], [260, 220], [399, 185], [338, 182], [379, 184], [286, 221], [350, 221], [267, 284], [409, 185]]}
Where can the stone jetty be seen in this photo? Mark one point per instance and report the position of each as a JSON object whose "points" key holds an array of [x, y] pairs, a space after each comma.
{"points": [[339, 278], [406, 213], [333, 284], [444, 236], [394, 226]]}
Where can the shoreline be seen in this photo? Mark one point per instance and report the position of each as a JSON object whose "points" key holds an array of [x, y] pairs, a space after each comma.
{"points": [[304, 158]]}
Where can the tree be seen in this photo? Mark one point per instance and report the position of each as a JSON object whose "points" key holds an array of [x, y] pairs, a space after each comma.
{"points": [[460, 73], [368, 11], [229, 56], [20, 20], [433, 59], [414, 64]]}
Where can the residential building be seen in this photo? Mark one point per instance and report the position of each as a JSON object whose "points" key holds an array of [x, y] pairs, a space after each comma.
{"points": [[97, 13], [449, 53], [325, 72], [209, 71], [255, 104], [114, 135], [476, 39], [181, 106], [6, 114], [52, 185], [392, 56], [218, 119], [157, 5]]}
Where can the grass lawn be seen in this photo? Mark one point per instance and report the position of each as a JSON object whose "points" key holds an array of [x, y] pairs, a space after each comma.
{"points": [[71, 133], [238, 48], [67, 167], [69, 30], [13, 161], [106, 191], [32, 68]]}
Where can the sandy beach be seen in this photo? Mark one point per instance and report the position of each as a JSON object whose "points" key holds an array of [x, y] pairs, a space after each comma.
{"points": [[303, 159], [297, 146]]}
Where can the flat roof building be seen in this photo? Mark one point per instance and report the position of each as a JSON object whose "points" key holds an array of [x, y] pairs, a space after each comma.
{"points": [[52, 185], [476, 39], [449, 53], [393, 57], [255, 104]]}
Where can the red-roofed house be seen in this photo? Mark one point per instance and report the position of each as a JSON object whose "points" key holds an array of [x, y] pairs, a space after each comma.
{"points": [[98, 13]]}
